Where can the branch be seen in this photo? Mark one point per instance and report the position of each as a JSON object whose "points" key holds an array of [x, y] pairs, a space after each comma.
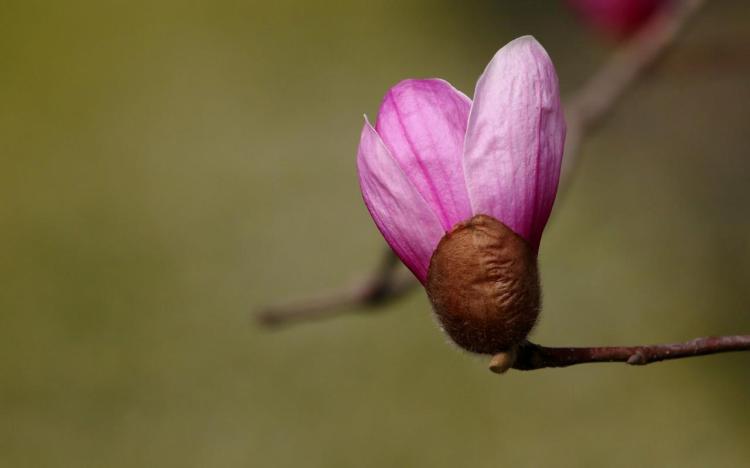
{"points": [[596, 99], [387, 283], [584, 111], [531, 356]]}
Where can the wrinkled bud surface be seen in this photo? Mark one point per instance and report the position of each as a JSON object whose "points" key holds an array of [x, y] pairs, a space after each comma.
{"points": [[616, 18], [484, 286]]}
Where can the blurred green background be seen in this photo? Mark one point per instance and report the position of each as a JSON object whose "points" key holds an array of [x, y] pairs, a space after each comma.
{"points": [[169, 167]]}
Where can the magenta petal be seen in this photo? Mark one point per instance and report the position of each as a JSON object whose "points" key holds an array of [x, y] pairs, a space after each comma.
{"points": [[404, 218], [423, 124], [515, 137]]}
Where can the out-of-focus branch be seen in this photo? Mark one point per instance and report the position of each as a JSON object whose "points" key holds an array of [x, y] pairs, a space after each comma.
{"points": [[387, 283], [596, 99], [531, 356], [593, 102]]}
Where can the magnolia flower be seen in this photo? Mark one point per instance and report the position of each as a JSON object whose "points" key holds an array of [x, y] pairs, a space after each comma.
{"points": [[461, 191], [617, 18]]}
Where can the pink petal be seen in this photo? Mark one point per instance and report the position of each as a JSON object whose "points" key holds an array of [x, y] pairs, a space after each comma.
{"points": [[514, 142], [423, 124], [404, 218]]}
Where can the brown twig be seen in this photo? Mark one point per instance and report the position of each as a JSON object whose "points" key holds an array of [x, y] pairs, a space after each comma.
{"points": [[531, 356], [386, 284], [588, 107]]}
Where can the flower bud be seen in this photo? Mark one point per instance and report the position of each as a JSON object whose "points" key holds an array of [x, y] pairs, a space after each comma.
{"points": [[484, 286], [461, 190]]}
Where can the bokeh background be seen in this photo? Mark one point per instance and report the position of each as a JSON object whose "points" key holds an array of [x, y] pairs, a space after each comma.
{"points": [[169, 167]]}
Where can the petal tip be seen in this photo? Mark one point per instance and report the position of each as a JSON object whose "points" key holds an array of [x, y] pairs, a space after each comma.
{"points": [[526, 43]]}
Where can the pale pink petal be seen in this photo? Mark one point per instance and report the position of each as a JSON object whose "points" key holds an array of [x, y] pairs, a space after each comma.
{"points": [[515, 137], [423, 125], [404, 218]]}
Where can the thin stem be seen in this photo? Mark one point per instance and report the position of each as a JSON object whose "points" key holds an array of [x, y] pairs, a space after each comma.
{"points": [[387, 283], [531, 356]]}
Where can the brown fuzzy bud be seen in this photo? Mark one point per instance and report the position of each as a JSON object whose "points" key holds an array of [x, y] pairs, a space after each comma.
{"points": [[484, 286]]}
